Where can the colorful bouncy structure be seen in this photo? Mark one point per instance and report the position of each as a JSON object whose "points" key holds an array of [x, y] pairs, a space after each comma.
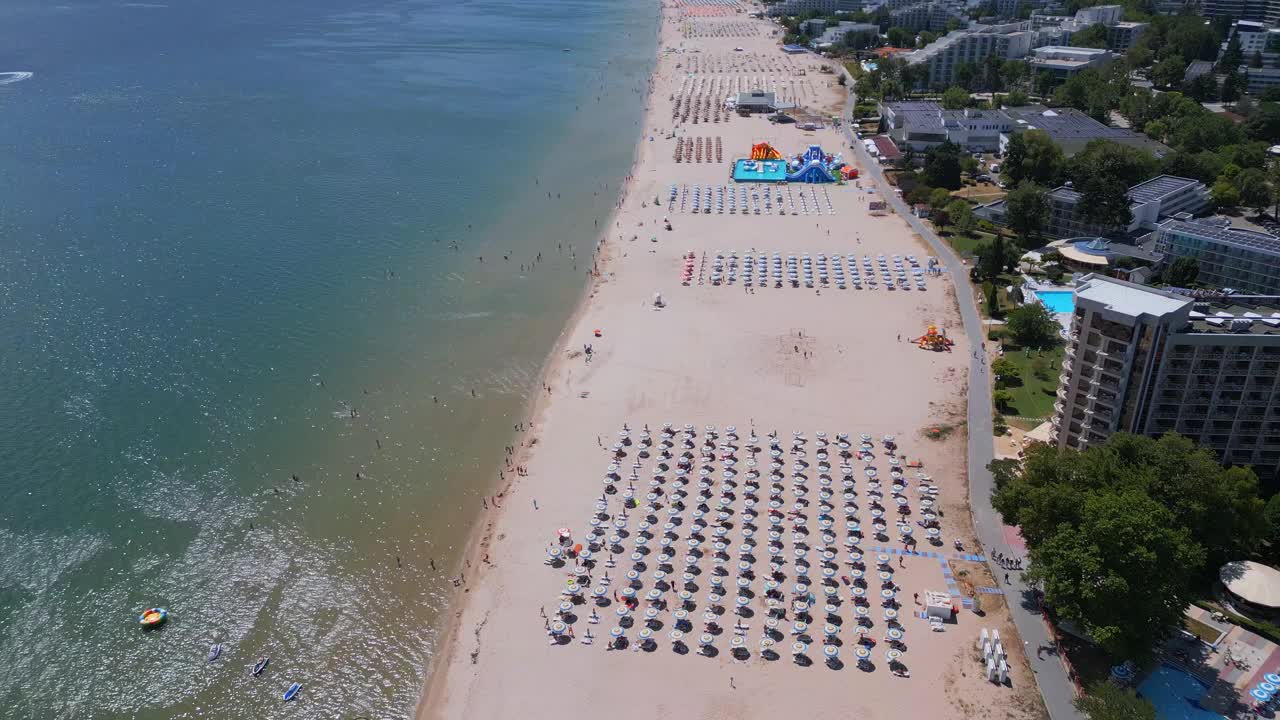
{"points": [[764, 151], [814, 166], [934, 339]]}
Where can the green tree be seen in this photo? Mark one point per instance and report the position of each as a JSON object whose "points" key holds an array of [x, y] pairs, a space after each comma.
{"points": [[1233, 86], [1002, 399], [1169, 72], [1157, 130], [1224, 194], [938, 198], [1089, 520], [965, 72], [1014, 73], [900, 37], [1042, 160], [942, 166], [1105, 701], [993, 299], [1182, 272], [1016, 98], [1264, 123], [991, 259], [1107, 160], [961, 214], [1272, 515], [1202, 88], [1094, 36], [955, 98], [1105, 202], [1255, 191], [1004, 371], [1124, 573], [1232, 55], [1015, 155], [1025, 208], [1033, 326]]}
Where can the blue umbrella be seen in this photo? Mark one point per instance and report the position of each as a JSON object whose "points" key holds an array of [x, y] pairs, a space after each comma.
{"points": [[1260, 695], [1272, 678], [1268, 687]]}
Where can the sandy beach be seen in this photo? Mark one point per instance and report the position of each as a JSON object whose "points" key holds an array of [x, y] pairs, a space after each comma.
{"points": [[764, 359]]}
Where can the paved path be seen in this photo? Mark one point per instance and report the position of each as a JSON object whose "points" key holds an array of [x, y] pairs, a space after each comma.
{"points": [[1051, 675]]}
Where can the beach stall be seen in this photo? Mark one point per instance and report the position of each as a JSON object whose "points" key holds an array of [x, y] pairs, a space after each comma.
{"points": [[939, 605]]}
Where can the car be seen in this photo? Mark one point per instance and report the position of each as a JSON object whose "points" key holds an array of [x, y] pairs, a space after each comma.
{"points": [[995, 167]]}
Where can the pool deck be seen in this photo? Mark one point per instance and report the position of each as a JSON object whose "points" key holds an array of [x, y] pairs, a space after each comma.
{"points": [[1031, 286], [1238, 661]]}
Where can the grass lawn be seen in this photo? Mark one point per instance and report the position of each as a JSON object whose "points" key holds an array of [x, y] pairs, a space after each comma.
{"points": [[964, 245], [1034, 397], [1202, 631]]}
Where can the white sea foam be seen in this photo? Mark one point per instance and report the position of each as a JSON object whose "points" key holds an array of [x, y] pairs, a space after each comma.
{"points": [[9, 78]]}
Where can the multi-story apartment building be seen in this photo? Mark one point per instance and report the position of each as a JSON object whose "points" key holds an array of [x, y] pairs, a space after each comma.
{"points": [[931, 16], [1063, 62], [1148, 361], [822, 7], [1149, 202], [973, 45], [1122, 35], [1229, 257], [1267, 11]]}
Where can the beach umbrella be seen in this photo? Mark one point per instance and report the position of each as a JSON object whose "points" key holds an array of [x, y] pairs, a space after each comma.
{"points": [[798, 648], [862, 611], [895, 634], [1272, 678], [890, 614], [1260, 695], [862, 653], [705, 639], [893, 655], [1269, 686], [831, 651], [858, 591]]}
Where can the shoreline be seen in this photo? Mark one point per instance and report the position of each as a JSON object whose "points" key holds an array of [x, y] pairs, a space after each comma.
{"points": [[480, 536], [722, 354]]}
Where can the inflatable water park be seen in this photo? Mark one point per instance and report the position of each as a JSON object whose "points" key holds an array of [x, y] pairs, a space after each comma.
{"points": [[766, 164]]}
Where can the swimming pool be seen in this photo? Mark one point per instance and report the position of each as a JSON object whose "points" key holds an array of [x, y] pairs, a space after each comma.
{"points": [[1176, 695], [1058, 301]]}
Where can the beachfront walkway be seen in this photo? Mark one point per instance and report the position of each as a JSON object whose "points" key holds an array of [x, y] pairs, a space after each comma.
{"points": [[1051, 676]]}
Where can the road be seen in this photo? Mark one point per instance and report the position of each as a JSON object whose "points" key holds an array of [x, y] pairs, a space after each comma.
{"points": [[1051, 675]]}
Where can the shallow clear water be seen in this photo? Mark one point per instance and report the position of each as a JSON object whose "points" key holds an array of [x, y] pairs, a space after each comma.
{"points": [[239, 243], [1176, 695], [1058, 301]]}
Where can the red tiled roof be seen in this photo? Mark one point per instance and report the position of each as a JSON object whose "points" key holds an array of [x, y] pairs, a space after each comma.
{"points": [[887, 149]]}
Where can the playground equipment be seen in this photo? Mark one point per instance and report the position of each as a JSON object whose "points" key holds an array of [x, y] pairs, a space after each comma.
{"points": [[766, 164], [934, 339], [814, 166], [764, 151]]}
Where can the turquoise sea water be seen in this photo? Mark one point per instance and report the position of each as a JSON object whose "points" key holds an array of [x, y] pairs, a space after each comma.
{"points": [[239, 243]]}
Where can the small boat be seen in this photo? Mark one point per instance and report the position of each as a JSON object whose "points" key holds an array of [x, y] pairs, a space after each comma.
{"points": [[261, 665], [215, 651], [292, 692], [153, 617]]}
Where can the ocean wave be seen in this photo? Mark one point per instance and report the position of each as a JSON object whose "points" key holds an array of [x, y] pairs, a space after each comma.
{"points": [[15, 76]]}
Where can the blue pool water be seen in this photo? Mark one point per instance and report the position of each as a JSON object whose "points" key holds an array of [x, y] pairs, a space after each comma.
{"points": [[1176, 695], [1059, 301]]}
